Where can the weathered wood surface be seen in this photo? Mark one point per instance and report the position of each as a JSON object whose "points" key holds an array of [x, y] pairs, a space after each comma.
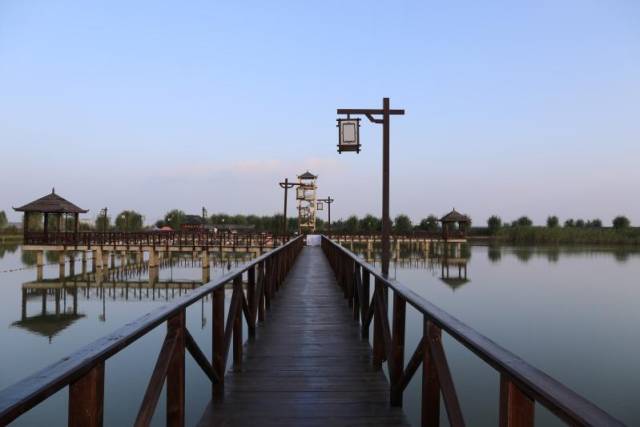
{"points": [[307, 365]]}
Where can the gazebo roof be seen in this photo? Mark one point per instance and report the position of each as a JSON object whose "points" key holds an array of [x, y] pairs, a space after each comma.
{"points": [[307, 175], [455, 282], [455, 216], [51, 203], [48, 325]]}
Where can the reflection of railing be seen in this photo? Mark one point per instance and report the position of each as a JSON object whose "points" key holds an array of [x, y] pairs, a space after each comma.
{"points": [[157, 238], [521, 385], [83, 371]]}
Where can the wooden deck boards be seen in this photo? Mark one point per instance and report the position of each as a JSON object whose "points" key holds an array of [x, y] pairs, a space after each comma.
{"points": [[308, 365]]}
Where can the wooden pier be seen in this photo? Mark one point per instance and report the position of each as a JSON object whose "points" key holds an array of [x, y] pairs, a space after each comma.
{"points": [[308, 365], [307, 361]]}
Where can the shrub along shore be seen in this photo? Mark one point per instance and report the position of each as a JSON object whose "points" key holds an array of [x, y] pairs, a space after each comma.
{"points": [[532, 235]]}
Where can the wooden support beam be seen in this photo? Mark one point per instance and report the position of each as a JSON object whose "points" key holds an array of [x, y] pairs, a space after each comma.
{"points": [[451, 403], [430, 383], [86, 399], [218, 341], [516, 408], [176, 372], [154, 388], [200, 358]]}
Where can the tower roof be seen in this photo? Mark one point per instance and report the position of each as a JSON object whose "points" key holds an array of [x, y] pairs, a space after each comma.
{"points": [[307, 175]]}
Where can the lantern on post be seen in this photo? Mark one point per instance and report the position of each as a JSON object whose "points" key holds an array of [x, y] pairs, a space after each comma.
{"points": [[319, 206], [300, 193], [348, 135]]}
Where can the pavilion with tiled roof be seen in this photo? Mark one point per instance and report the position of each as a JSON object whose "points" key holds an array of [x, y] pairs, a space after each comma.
{"points": [[454, 223], [51, 204]]}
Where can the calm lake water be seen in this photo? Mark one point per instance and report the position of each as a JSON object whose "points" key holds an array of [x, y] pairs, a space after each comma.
{"points": [[572, 312]]}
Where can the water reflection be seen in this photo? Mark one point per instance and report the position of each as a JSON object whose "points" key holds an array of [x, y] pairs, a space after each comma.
{"points": [[454, 281], [450, 261], [51, 305]]}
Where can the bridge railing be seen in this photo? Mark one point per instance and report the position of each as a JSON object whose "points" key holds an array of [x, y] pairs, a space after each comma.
{"points": [[418, 234], [83, 371], [207, 238], [521, 385]]}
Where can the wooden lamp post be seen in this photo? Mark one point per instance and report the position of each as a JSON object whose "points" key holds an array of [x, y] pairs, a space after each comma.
{"points": [[320, 207], [349, 140]]}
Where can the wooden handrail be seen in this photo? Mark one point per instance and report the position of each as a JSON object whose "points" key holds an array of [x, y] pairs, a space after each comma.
{"points": [[155, 238], [521, 384], [84, 368]]}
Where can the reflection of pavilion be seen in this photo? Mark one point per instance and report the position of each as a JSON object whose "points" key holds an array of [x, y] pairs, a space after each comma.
{"points": [[123, 283], [454, 281], [48, 324]]}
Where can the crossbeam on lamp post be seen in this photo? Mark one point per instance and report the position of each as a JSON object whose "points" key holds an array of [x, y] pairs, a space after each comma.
{"points": [[328, 201], [286, 185], [349, 140]]}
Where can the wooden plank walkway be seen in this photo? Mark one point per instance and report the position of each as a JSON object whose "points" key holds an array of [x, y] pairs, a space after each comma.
{"points": [[307, 365]]}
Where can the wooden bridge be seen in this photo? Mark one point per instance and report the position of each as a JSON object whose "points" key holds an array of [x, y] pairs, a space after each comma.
{"points": [[307, 361]]}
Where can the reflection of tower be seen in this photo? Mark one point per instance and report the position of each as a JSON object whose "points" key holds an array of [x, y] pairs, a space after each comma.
{"points": [[306, 196]]}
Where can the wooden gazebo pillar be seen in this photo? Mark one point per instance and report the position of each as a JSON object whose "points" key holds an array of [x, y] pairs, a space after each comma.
{"points": [[25, 226]]}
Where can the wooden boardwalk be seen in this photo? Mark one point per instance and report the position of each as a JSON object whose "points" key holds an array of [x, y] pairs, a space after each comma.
{"points": [[307, 365]]}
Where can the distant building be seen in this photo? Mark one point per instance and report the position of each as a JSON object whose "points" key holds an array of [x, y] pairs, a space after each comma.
{"points": [[194, 222], [234, 227]]}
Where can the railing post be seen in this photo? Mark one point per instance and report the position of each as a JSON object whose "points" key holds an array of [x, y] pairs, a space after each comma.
{"points": [[262, 278], [366, 280], [356, 279], [349, 278], [516, 408], [251, 299], [378, 339], [430, 382], [396, 366], [86, 399], [218, 361], [175, 373], [237, 327]]}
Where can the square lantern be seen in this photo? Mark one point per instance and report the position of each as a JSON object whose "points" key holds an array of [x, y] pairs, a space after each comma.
{"points": [[319, 206], [348, 135], [300, 193]]}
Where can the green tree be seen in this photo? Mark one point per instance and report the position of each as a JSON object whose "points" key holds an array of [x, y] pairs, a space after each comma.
{"points": [[103, 223], [351, 224], [524, 221], [370, 224], [569, 223], [580, 223], [175, 218], [129, 220], [429, 223], [3, 219], [494, 223], [552, 221], [402, 224], [621, 222], [595, 223]]}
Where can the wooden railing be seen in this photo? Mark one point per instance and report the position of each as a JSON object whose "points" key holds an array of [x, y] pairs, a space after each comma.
{"points": [[418, 234], [521, 385], [84, 370], [157, 238]]}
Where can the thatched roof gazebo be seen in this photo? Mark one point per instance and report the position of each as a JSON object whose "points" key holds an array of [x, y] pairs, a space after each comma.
{"points": [[48, 205], [455, 224]]}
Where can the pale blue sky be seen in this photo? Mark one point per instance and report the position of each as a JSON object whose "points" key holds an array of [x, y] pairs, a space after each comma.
{"points": [[512, 107]]}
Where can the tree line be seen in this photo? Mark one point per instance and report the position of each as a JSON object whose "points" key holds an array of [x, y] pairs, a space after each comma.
{"points": [[495, 224]]}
